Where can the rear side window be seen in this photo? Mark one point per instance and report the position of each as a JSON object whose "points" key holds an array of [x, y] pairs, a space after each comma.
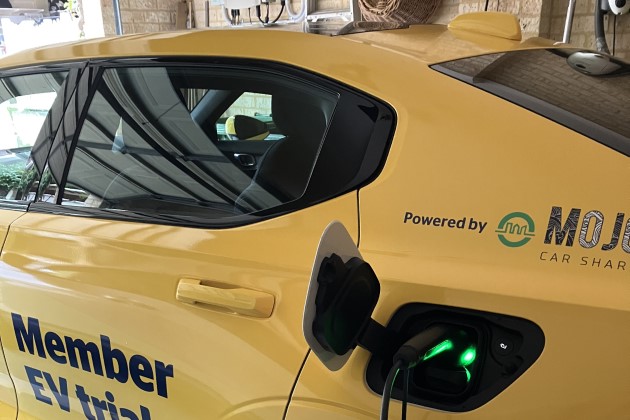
{"points": [[24, 105], [583, 90], [151, 144], [143, 150]]}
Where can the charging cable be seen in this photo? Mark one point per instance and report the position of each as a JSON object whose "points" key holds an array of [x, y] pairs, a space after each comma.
{"points": [[387, 391], [417, 349], [258, 14], [282, 3], [265, 21]]}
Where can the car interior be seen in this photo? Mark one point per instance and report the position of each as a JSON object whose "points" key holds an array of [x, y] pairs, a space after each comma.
{"points": [[152, 149]]}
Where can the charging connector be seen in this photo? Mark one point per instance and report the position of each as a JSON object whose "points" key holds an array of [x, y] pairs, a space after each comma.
{"points": [[424, 345], [420, 347], [447, 349]]}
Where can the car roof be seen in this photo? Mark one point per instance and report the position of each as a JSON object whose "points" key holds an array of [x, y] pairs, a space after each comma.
{"points": [[425, 43]]}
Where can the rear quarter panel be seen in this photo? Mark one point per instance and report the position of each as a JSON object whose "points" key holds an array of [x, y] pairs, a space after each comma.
{"points": [[464, 155]]}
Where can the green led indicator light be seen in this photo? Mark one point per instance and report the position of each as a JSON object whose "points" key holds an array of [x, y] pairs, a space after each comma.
{"points": [[440, 348], [468, 376], [468, 356]]}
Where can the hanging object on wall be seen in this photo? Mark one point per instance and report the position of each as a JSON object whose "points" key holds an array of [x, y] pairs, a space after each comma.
{"points": [[402, 11], [185, 16], [619, 7]]}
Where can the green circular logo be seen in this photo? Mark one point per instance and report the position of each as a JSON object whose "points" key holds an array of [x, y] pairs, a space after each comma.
{"points": [[516, 229]]}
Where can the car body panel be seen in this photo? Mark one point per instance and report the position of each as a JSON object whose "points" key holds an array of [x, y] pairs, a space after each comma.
{"points": [[419, 40], [343, 55], [218, 358], [513, 161], [8, 400], [461, 155]]}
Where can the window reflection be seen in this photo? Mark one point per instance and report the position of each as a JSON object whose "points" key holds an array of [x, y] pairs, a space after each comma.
{"points": [[144, 147], [25, 102]]}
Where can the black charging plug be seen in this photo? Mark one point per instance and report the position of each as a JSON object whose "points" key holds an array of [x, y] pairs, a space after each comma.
{"points": [[417, 347], [422, 346]]}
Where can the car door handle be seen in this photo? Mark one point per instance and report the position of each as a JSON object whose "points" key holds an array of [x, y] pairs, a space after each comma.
{"points": [[239, 300], [245, 159]]}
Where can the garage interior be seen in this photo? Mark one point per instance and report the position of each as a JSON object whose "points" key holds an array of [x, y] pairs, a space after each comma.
{"points": [[542, 18], [26, 22]]}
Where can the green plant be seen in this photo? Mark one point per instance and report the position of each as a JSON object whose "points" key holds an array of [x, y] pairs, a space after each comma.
{"points": [[10, 176]]}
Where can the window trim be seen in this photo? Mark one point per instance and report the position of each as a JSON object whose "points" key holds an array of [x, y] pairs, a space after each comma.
{"points": [[376, 149], [74, 71]]}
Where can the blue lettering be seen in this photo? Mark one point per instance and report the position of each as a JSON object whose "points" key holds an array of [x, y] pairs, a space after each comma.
{"points": [[125, 412], [100, 407], [140, 367], [82, 348], [61, 393], [29, 336], [101, 360], [85, 402], [161, 373], [33, 374], [111, 407], [110, 355], [54, 344]]}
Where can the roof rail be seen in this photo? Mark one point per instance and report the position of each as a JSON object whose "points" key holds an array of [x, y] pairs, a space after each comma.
{"points": [[497, 24]]}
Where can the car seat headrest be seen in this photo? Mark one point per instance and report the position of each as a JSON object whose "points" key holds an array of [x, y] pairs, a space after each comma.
{"points": [[243, 127]]}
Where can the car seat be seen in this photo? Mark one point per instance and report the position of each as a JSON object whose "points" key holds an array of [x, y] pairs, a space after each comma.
{"points": [[244, 127], [284, 170]]}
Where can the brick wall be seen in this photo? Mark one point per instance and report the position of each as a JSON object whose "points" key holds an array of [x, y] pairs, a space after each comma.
{"points": [[538, 17], [583, 29], [547, 76], [528, 11], [140, 16]]}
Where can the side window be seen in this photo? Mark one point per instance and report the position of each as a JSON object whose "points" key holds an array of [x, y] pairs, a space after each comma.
{"points": [[24, 104], [146, 150]]}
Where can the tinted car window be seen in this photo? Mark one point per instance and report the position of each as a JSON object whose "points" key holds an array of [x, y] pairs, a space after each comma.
{"points": [[24, 104], [238, 121], [141, 149]]}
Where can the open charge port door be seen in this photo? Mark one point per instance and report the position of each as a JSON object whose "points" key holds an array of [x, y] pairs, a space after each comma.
{"points": [[481, 354], [457, 359]]}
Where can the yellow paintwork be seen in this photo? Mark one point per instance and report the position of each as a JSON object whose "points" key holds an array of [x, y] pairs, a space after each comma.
{"points": [[427, 43], [457, 152], [481, 159], [8, 402], [131, 298], [225, 365], [501, 25]]}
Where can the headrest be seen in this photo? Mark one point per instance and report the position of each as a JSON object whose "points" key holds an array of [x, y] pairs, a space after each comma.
{"points": [[243, 127]]}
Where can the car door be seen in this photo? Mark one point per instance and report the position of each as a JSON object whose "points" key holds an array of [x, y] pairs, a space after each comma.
{"points": [[154, 278], [509, 231], [32, 102]]}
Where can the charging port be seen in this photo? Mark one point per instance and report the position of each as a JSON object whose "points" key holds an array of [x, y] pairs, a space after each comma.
{"points": [[477, 355]]}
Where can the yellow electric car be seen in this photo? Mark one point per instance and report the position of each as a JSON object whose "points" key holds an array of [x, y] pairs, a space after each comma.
{"points": [[271, 225]]}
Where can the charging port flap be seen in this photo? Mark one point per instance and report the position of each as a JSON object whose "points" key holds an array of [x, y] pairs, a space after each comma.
{"points": [[342, 294]]}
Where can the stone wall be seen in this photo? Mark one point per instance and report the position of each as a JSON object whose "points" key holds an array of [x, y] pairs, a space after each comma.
{"points": [[528, 11], [140, 16], [538, 17], [583, 29]]}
